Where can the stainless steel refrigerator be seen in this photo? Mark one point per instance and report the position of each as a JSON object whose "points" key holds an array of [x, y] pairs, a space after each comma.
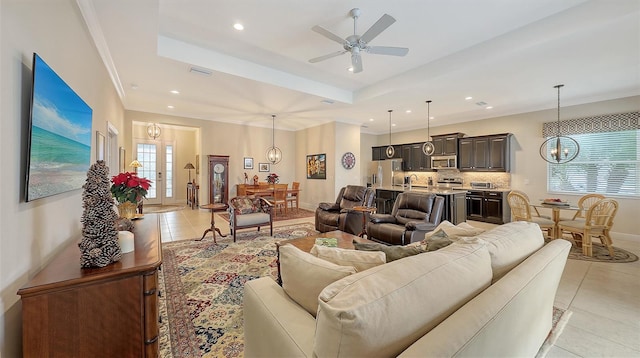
{"points": [[386, 173]]}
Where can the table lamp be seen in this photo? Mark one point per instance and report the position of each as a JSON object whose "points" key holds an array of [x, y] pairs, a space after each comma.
{"points": [[135, 165], [189, 166]]}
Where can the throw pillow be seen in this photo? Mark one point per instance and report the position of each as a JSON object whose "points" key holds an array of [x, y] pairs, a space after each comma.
{"points": [[304, 276], [437, 241], [243, 205], [392, 253], [361, 260], [455, 231]]}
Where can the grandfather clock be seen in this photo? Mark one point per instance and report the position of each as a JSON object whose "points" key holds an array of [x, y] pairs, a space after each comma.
{"points": [[218, 179]]}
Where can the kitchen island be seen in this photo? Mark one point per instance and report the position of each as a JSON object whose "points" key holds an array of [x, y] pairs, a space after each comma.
{"points": [[455, 204]]}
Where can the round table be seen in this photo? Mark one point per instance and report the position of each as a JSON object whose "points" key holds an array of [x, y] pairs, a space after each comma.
{"points": [[364, 210], [213, 207]]}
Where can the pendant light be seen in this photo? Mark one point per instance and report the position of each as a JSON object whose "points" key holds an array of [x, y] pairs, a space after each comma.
{"points": [[559, 149], [390, 151], [274, 154], [153, 130], [428, 148]]}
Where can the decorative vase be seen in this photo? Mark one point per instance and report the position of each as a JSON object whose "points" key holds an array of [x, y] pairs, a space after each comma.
{"points": [[127, 209]]}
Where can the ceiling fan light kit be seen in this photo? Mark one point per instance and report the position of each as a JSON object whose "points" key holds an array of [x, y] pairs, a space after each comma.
{"points": [[356, 44]]}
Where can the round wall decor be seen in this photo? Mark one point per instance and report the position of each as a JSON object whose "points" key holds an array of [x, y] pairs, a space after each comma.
{"points": [[348, 160]]}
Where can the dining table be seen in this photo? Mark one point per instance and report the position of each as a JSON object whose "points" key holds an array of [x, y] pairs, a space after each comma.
{"points": [[555, 214]]}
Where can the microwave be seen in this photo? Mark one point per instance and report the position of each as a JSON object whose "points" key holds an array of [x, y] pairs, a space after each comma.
{"points": [[444, 162]]}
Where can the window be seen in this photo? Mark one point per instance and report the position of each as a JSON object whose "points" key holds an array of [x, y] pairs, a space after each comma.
{"points": [[608, 163], [168, 189]]}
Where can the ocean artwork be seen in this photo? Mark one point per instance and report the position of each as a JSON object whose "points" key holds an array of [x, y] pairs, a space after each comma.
{"points": [[60, 143]]}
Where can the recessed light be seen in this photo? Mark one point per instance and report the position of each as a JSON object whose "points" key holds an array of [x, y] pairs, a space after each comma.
{"points": [[468, 98], [134, 86], [408, 111], [238, 26], [432, 117], [175, 91], [488, 107], [393, 125], [371, 119], [170, 107], [350, 69]]}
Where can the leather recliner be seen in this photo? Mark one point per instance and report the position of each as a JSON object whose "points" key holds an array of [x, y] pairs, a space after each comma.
{"points": [[413, 215], [339, 215]]}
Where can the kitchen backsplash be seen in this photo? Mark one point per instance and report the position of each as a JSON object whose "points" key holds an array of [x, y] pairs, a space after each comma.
{"points": [[499, 180]]}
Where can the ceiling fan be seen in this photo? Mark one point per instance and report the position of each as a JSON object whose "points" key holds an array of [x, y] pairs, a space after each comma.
{"points": [[357, 44]]}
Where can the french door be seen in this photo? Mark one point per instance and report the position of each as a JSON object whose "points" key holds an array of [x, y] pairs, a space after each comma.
{"points": [[157, 159]]}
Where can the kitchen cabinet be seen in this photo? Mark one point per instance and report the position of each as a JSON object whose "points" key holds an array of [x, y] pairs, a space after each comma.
{"points": [[446, 144], [413, 159], [485, 153], [454, 203], [379, 153], [487, 206]]}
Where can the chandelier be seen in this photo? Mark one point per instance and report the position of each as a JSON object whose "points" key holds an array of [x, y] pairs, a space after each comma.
{"points": [[559, 149], [390, 151], [153, 130], [274, 154], [428, 147]]}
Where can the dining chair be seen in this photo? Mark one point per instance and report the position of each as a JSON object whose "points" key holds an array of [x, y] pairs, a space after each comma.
{"points": [[293, 197], [585, 203], [521, 211], [537, 213], [597, 223], [280, 199]]}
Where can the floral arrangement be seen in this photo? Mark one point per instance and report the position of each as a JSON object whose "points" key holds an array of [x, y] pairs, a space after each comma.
{"points": [[128, 187], [272, 178]]}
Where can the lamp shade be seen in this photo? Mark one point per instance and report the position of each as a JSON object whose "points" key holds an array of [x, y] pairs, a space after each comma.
{"points": [[189, 166], [135, 164]]}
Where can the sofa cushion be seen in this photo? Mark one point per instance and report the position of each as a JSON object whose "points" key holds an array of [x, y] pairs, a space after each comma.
{"points": [[510, 244], [381, 311], [360, 260], [252, 219], [391, 253], [244, 205], [304, 276]]}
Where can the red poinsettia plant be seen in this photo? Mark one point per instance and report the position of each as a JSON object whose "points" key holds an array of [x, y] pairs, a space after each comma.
{"points": [[129, 187]]}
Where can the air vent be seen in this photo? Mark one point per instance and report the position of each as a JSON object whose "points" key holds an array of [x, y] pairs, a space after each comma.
{"points": [[200, 71], [481, 103]]}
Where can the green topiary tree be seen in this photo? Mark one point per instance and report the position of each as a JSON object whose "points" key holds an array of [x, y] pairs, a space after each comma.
{"points": [[99, 245]]}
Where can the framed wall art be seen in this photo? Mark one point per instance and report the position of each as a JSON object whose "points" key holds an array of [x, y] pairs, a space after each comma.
{"points": [[100, 145], [317, 166], [248, 163], [263, 167]]}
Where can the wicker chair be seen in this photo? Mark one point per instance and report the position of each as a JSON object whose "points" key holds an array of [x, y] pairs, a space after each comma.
{"points": [[597, 222], [521, 211]]}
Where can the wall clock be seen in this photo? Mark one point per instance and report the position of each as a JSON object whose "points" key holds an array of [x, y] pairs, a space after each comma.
{"points": [[348, 160]]}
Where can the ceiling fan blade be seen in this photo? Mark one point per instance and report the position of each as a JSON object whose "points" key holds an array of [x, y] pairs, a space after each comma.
{"points": [[322, 58], [356, 62], [328, 34], [386, 50], [375, 30]]}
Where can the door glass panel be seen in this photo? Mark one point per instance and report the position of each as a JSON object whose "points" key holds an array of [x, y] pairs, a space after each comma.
{"points": [[168, 179], [147, 157]]}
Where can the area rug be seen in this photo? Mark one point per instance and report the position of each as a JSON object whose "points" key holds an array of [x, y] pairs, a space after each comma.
{"points": [[202, 283], [601, 254], [291, 214], [151, 209], [201, 287], [559, 321]]}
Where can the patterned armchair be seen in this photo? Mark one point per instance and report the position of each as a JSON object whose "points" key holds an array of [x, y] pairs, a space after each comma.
{"points": [[249, 211], [339, 216]]}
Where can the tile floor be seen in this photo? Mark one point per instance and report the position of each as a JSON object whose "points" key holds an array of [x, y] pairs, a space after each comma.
{"points": [[604, 297]]}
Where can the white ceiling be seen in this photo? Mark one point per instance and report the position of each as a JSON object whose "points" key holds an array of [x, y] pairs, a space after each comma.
{"points": [[507, 53]]}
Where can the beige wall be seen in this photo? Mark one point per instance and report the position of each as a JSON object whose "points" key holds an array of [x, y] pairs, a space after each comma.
{"points": [[528, 170], [316, 140], [31, 233]]}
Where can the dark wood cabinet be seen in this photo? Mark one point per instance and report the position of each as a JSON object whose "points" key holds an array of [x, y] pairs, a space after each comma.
{"points": [[413, 159], [487, 206], [446, 144], [111, 311], [485, 153], [377, 153], [380, 153], [218, 179]]}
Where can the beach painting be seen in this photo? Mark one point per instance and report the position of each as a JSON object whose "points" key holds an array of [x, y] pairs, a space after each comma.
{"points": [[60, 141]]}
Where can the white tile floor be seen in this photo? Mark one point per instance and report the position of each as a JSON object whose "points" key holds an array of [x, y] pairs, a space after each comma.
{"points": [[604, 297]]}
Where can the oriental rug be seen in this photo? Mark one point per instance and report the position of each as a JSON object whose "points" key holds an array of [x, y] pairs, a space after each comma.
{"points": [[601, 254], [281, 216], [201, 285]]}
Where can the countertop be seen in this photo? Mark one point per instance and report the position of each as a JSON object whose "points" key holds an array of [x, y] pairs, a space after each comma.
{"points": [[502, 190], [421, 189]]}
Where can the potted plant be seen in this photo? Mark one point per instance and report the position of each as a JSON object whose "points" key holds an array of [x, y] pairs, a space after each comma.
{"points": [[272, 178], [129, 189]]}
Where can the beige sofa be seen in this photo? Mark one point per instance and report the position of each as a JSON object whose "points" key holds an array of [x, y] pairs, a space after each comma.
{"points": [[491, 295]]}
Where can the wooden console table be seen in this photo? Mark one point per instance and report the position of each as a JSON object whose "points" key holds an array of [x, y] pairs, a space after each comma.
{"points": [[192, 195], [112, 311]]}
